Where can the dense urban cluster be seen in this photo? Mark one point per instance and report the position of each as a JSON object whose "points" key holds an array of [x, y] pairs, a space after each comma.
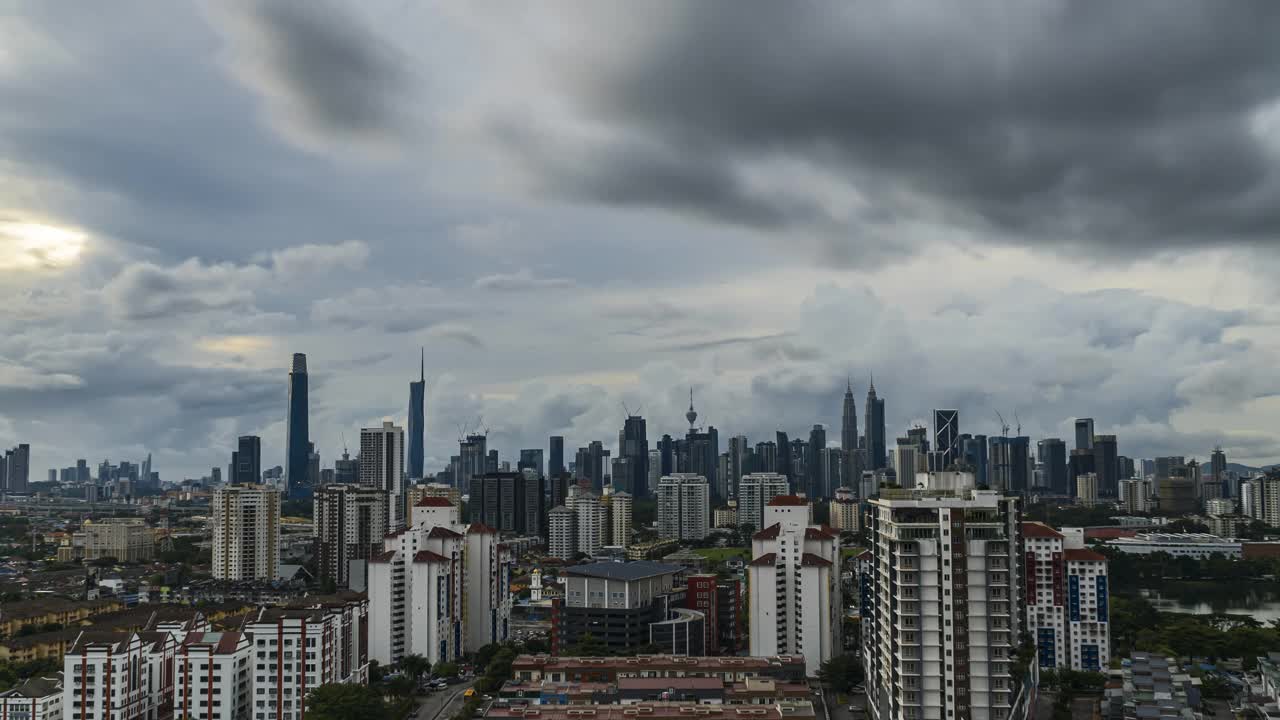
{"points": [[942, 575]]}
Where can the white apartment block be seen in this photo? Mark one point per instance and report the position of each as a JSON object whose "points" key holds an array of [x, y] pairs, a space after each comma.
{"points": [[1136, 495], [684, 506], [382, 467], [561, 531], [620, 519], [844, 511], [439, 588], [296, 650], [112, 675], [213, 676], [794, 581], [39, 698], [1087, 489], [350, 522], [1067, 600], [940, 605], [1219, 506], [246, 532], [591, 519], [755, 490]]}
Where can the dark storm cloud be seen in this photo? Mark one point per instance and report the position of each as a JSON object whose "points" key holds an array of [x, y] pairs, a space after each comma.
{"points": [[1121, 125], [337, 77]]}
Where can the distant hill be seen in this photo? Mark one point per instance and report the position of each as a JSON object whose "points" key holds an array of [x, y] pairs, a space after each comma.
{"points": [[1246, 469]]}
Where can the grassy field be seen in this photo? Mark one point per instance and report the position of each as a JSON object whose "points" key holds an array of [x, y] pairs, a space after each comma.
{"points": [[846, 553], [720, 555]]}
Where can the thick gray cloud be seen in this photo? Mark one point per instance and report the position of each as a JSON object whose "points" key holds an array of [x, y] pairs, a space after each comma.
{"points": [[763, 202], [1124, 127]]}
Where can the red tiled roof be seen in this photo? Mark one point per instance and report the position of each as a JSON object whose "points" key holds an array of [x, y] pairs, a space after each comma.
{"points": [[224, 643], [765, 559], [811, 560], [1039, 530], [383, 557], [481, 528], [423, 556], [431, 501], [397, 533], [768, 533], [1081, 555], [822, 532], [788, 500], [442, 532]]}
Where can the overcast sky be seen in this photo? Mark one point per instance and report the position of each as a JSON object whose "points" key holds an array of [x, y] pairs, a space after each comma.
{"points": [[1048, 208]]}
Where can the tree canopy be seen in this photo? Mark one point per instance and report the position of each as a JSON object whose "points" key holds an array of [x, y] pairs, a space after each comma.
{"points": [[343, 701]]}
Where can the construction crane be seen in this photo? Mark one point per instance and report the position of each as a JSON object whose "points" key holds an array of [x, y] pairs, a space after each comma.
{"points": [[1017, 420], [1004, 426]]}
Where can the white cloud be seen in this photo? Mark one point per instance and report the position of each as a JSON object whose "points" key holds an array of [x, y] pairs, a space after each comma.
{"points": [[521, 280]]}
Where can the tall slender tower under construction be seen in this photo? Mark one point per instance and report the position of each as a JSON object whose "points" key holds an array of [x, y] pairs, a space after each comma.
{"points": [[417, 412]]}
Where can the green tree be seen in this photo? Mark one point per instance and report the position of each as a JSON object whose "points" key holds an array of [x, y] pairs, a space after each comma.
{"points": [[445, 669], [414, 666], [537, 646], [841, 672], [587, 646], [346, 702]]}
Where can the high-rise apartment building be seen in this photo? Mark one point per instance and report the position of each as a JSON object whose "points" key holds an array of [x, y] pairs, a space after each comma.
{"points": [[382, 467], [246, 532], [346, 470], [350, 522], [1084, 434], [1136, 495], [832, 471], [591, 524], [946, 437], [794, 580], [1067, 600], [127, 540], [15, 470], [941, 608], [684, 506], [908, 459], [417, 420], [620, 519], [562, 536], [1087, 489], [213, 676], [755, 492], [874, 441], [701, 457], [1218, 471], [298, 649], [510, 502], [439, 588], [246, 461], [297, 433], [844, 511], [766, 457]]}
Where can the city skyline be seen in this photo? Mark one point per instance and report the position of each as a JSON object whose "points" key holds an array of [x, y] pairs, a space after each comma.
{"points": [[563, 241]]}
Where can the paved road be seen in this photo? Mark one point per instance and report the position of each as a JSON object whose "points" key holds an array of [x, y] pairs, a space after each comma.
{"points": [[442, 704]]}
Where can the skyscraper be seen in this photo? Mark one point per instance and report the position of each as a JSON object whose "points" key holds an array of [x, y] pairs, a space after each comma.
{"points": [[766, 457], [346, 471], [246, 461], [633, 445], [297, 435], [1218, 470], [973, 449], [666, 456], [849, 422], [531, 458], [875, 438], [813, 462], [946, 436], [417, 418], [17, 469], [556, 464], [473, 457], [783, 465], [1009, 464], [1107, 465], [738, 449], [382, 467], [1052, 452], [1084, 433], [755, 492], [1082, 461]]}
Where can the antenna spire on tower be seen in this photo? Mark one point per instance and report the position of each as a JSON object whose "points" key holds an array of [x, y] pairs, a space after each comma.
{"points": [[422, 364]]}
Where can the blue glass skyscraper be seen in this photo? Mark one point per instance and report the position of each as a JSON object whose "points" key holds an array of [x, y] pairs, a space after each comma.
{"points": [[417, 410], [297, 433]]}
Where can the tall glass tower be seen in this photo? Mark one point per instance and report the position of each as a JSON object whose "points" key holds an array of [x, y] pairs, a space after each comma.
{"points": [[875, 439], [297, 434], [417, 410]]}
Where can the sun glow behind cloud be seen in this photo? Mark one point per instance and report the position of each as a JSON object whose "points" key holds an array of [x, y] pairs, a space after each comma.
{"points": [[38, 246]]}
